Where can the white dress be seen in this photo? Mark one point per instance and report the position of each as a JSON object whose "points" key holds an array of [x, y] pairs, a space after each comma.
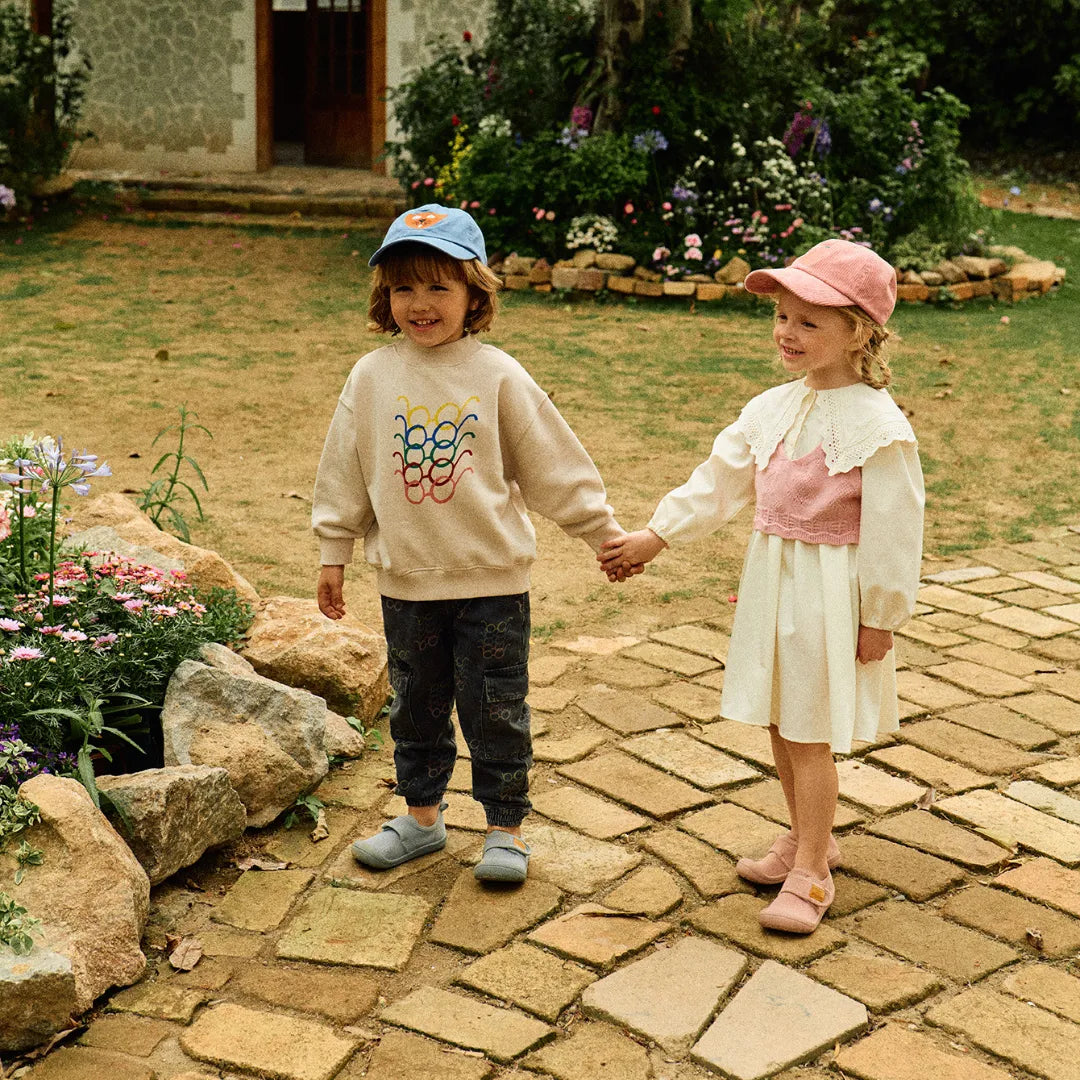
{"points": [[792, 661]]}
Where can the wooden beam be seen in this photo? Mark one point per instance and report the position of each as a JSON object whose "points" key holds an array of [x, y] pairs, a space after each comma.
{"points": [[376, 87], [264, 85]]}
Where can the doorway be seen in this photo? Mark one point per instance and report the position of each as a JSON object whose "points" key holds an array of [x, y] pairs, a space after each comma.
{"points": [[328, 82]]}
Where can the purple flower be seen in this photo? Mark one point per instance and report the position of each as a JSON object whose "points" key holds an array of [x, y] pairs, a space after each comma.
{"points": [[650, 142], [7, 197], [581, 117], [682, 194]]}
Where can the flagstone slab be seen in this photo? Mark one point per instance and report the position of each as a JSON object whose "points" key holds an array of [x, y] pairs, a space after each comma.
{"points": [[530, 978], [218, 941], [929, 692], [625, 712], [747, 741], [1071, 612], [852, 894], [700, 703], [629, 781], [881, 983], [1046, 799], [915, 654], [273, 1044], [550, 699], [587, 645], [399, 1055], [572, 748], [340, 995], [1015, 920], [651, 891], [598, 935], [137, 1035], [1051, 710], [477, 918], [260, 899], [1044, 880], [502, 1034], [780, 1018], [576, 863], [1007, 559], [895, 1053], [1064, 772], [1029, 1038], [588, 814], [961, 574], [991, 586], [731, 829], [735, 918], [345, 870], [680, 662], [925, 938], [1001, 722], [767, 799], [711, 680], [1025, 621], [972, 748], [913, 873], [675, 752], [996, 635], [948, 599], [625, 674], [159, 1000], [347, 926], [936, 772], [544, 670], [980, 679], [360, 791], [1057, 554], [1054, 582], [1061, 650], [700, 639], [592, 1051], [873, 789], [1007, 820], [90, 1063], [710, 873], [1048, 987], [1065, 683], [936, 836], [928, 635], [670, 995], [986, 654], [295, 845], [1031, 597]]}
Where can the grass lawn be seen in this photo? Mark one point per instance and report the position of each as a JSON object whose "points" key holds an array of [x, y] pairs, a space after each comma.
{"points": [[111, 324]]}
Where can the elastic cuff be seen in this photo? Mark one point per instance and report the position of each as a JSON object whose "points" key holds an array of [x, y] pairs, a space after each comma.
{"points": [[503, 817]]}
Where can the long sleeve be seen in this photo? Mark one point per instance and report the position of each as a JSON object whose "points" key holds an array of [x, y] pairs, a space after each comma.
{"points": [[890, 536], [716, 491], [558, 479], [341, 510]]}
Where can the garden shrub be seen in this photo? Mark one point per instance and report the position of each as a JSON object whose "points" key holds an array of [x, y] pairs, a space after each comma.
{"points": [[42, 84], [776, 131]]}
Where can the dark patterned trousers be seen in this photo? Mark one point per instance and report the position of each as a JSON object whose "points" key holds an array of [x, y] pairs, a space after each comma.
{"points": [[474, 653]]}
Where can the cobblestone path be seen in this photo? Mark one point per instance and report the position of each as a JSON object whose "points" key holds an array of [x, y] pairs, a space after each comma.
{"points": [[634, 951]]}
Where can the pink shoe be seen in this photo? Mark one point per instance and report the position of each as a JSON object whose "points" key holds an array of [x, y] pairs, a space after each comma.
{"points": [[800, 904], [777, 862]]}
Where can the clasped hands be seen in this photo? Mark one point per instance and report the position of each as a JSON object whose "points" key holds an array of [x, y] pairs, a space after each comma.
{"points": [[626, 555]]}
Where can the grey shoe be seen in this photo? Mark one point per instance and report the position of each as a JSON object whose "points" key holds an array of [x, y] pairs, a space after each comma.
{"points": [[505, 858], [400, 840]]}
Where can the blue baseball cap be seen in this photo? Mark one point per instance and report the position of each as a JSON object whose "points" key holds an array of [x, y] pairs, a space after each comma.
{"points": [[444, 227]]}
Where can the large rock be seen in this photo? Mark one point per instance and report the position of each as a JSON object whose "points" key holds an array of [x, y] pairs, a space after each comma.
{"points": [[342, 661], [176, 814], [37, 997], [269, 737], [205, 569], [90, 892]]}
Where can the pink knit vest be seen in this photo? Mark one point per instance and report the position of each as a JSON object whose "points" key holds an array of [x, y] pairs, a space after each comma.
{"points": [[799, 500]]}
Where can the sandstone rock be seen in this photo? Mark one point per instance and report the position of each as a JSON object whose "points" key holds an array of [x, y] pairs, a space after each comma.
{"points": [[679, 288], [584, 258], [950, 271], [619, 263], [974, 266], [269, 737], [648, 288], [932, 278], [711, 292], [518, 264], [620, 284], [564, 277], [293, 643], [37, 997], [176, 814], [540, 274], [90, 892], [516, 282], [643, 273], [205, 569], [342, 740], [732, 272], [912, 277]]}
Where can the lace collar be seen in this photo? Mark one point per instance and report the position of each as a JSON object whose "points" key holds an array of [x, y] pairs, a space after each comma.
{"points": [[858, 421]]}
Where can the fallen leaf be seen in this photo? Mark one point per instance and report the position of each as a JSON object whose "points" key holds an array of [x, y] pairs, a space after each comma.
{"points": [[295, 495], [256, 862], [161, 354], [1034, 938], [926, 799], [187, 954], [943, 394], [321, 830]]}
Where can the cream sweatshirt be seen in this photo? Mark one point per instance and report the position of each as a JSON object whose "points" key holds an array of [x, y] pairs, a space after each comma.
{"points": [[432, 459]]}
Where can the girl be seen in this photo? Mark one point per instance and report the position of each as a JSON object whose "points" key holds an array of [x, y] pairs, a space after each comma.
{"points": [[438, 446], [833, 562]]}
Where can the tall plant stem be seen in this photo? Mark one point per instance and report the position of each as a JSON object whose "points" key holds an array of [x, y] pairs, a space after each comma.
{"points": [[22, 536], [52, 543]]}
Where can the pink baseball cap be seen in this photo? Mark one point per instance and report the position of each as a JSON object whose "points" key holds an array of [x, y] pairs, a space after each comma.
{"points": [[835, 273]]}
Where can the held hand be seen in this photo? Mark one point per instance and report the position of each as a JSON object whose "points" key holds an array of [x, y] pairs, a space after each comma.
{"points": [[629, 553], [621, 573], [330, 592], [873, 644]]}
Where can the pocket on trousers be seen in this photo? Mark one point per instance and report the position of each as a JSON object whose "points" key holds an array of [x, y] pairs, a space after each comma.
{"points": [[505, 716], [402, 728]]}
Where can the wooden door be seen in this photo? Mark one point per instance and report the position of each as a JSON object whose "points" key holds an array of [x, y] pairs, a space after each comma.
{"points": [[339, 105]]}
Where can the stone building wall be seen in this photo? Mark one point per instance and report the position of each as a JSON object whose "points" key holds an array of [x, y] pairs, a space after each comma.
{"points": [[173, 84]]}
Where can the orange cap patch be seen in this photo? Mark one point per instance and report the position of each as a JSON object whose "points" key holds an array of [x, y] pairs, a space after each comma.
{"points": [[817, 893], [423, 220]]}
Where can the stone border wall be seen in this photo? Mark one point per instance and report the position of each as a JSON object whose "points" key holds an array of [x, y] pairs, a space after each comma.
{"points": [[1010, 274]]}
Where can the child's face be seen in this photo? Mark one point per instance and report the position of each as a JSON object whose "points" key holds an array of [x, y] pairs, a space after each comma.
{"points": [[815, 339], [431, 312]]}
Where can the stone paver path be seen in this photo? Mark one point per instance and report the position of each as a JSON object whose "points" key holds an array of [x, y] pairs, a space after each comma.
{"points": [[634, 951]]}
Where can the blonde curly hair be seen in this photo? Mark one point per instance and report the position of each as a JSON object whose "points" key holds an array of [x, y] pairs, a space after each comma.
{"points": [[870, 338]]}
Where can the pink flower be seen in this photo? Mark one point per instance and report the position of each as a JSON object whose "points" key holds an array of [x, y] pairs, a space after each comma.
{"points": [[10, 625], [134, 605], [61, 601], [665, 206], [464, 204], [5, 524], [539, 215], [29, 511], [163, 609], [50, 631], [105, 639], [73, 635], [153, 590], [415, 184], [474, 205], [660, 253], [492, 211], [693, 253], [693, 240], [428, 181], [628, 208], [24, 652], [550, 215]]}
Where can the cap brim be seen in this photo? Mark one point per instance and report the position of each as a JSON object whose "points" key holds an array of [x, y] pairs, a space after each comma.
{"points": [[449, 247], [805, 286]]}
